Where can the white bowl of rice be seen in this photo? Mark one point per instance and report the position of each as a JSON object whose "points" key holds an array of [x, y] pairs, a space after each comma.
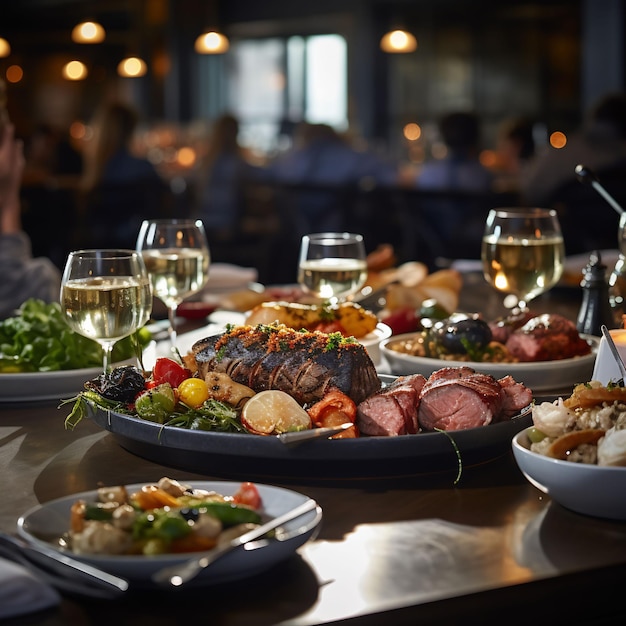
{"points": [[576, 454]]}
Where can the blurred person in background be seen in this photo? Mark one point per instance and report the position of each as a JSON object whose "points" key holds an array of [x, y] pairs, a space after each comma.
{"points": [[322, 158], [599, 144], [449, 218], [49, 192], [21, 275], [460, 168], [119, 188], [588, 222], [515, 148], [51, 160], [221, 181]]}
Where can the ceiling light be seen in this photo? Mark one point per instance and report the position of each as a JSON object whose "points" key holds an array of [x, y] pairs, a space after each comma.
{"points": [[5, 48], [211, 42], [88, 32], [132, 67], [398, 41], [75, 70]]}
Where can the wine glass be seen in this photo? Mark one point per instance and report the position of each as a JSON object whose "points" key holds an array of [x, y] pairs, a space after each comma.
{"points": [[522, 252], [105, 296], [176, 254], [332, 266]]}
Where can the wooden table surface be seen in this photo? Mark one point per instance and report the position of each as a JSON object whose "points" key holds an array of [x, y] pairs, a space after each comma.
{"points": [[404, 549]]}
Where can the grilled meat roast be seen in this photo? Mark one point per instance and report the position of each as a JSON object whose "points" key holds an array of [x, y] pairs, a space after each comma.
{"points": [[452, 398], [547, 337], [306, 365]]}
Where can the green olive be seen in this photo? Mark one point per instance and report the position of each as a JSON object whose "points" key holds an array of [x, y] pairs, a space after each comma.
{"points": [[431, 309], [535, 435]]}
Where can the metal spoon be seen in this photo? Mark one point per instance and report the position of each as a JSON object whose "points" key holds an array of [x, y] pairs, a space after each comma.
{"points": [[179, 574], [585, 175], [614, 352]]}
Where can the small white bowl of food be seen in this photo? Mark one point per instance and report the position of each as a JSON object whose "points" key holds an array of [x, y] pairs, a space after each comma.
{"points": [[576, 450]]}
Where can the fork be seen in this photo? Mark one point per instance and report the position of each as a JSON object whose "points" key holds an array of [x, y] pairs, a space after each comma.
{"points": [[177, 575], [33, 555]]}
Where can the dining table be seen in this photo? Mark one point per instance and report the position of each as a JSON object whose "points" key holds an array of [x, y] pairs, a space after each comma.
{"points": [[410, 547]]}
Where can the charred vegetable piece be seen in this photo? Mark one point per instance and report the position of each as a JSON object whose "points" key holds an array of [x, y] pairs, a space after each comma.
{"points": [[156, 404], [461, 334], [121, 384]]}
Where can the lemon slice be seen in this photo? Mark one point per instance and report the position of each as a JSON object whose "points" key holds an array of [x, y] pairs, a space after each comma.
{"points": [[273, 412]]}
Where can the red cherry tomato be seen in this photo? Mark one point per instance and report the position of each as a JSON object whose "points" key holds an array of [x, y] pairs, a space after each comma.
{"points": [[168, 371], [249, 495]]}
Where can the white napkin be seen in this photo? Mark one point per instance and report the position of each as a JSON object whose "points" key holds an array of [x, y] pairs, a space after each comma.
{"points": [[223, 276], [21, 592], [576, 263]]}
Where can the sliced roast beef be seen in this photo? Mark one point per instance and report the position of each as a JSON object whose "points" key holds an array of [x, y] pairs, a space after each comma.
{"points": [[393, 410], [448, 373], [501, 329], [466, 401], [515, 397]]}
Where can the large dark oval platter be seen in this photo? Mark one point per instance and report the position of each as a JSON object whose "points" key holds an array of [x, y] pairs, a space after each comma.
{"points": [[255, 456]]}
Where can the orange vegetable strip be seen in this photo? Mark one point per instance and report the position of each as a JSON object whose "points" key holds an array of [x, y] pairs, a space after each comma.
{"points": [[151, 497]]}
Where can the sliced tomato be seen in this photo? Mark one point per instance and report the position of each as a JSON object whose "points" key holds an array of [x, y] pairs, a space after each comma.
{"points": [[249, 495], [334, 409], [169, 371]]}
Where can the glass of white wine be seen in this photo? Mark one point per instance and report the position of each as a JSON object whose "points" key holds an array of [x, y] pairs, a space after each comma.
{"points": [[176, 254], [332, 266], [105, 296], [523, 252]]}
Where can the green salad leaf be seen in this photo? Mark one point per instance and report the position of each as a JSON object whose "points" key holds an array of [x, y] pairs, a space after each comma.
{"points": [[38, 339]]}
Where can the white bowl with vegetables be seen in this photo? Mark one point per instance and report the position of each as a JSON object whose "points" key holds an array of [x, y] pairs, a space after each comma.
{"points": [[588, 489], [49, 524], [576, 450]]}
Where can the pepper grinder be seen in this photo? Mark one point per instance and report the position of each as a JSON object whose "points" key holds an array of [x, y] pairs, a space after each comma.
{"points": [[595, 310]]}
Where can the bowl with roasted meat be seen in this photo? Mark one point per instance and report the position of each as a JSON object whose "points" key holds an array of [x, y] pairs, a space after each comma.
{"points": [[575, 451], [546, 353]]}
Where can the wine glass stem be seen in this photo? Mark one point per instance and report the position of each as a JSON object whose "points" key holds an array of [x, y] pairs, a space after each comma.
{"points": [[171, 316], [107, 349]]}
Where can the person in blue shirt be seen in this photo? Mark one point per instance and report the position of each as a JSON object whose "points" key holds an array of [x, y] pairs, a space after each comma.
{"points": [[120, 188], [460, 169], [326, 166], [450, 216], [221, 181]]}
